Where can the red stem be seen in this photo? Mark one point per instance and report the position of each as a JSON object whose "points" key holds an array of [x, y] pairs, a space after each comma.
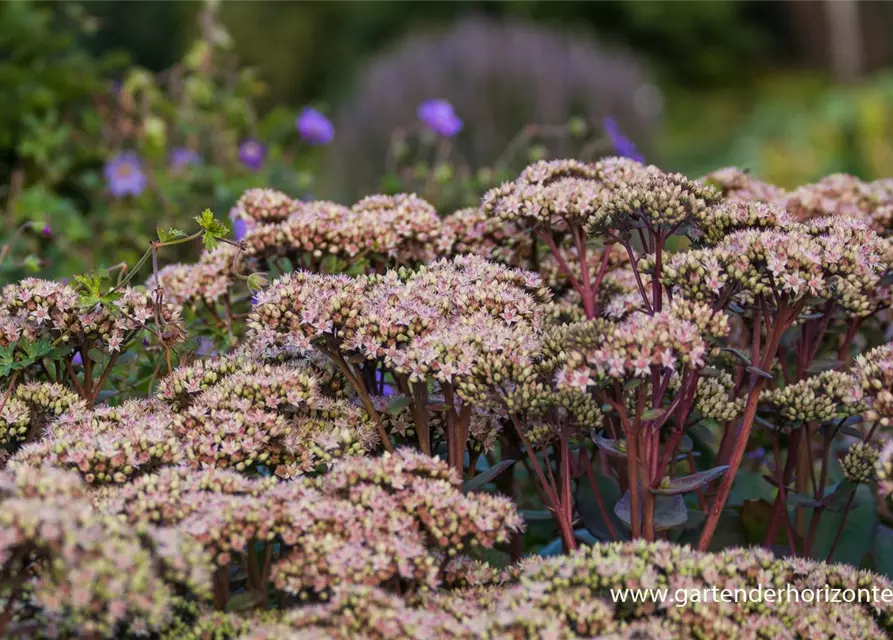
{"points": [[782, 320]]}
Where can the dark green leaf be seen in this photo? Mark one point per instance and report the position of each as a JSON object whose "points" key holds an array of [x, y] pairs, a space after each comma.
{"points": [[756, 516], [166, 235], [882, 550], [477, 483], [652, 414], [614, 447], [590, 514], [536, 515], [398, 404], [756, 371], [858, 531], [823, 365], [669, 511], [685, 484], [244, 601], [738, 353]]}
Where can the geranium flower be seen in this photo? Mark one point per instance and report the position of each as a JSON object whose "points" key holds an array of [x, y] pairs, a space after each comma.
{"points": [[314, 127], [252, 154], [439, 116], [124, 175], [182, 157], [623, 146]]}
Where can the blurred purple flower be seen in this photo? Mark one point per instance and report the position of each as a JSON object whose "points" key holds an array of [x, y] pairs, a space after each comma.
{"points": [[124, 175], [47, 230], [183, 156], [240, 228], [205, 347], [77, 360], [252, 154], [439, 116], [314, 128], [623, 146]]}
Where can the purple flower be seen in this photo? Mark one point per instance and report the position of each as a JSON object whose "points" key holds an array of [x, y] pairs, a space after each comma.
{"points": [[240, 228], [314, 127], [439, 116], [124, 175], [77, 360], [183, 156], [252, 154], [623, 146], [47, 230]]}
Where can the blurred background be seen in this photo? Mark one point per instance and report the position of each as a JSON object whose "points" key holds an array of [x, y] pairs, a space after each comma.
{"points": [[118, 117]]}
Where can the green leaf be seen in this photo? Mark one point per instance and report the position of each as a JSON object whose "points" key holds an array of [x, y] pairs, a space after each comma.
{"points": [[730, 532], [244, 601], [756, 371], [756, 516], [166, 235], [669, 511], [652, 414], [590, 514], [398, 404], [882, 550], [858, 533], [613, 447], [738, 353], [536, 515], [686, 484], [477, 483], [749, 485], [819, 366]]}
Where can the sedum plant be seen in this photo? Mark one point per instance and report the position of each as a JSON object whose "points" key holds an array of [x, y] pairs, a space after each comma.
{"points": [[368, 441]]}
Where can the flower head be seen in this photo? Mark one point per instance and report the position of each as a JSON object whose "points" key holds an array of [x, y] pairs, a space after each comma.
{"points": [[439, 116], [181, 157], [124, 175], [314, 127], [252, 154]]}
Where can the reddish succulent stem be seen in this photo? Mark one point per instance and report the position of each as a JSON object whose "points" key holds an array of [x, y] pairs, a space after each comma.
{"points": [[587, 291], [782, 320], [656, 294], [589, 307], [779, 508], [553, 501]]}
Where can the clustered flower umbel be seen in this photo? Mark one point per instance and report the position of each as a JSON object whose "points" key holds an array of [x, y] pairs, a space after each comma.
{"points": [[205, 281], [472, 231], [402, 228], [819, 398], [555, 194], [859, 465], [32, 309], [107, 444], [570, 596], [668, 340], [842, 263], [28, 410], [846, 196], [465, 322], [93, 574], [741, 186], [367, 521], [873, 372], [238, 413]]}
